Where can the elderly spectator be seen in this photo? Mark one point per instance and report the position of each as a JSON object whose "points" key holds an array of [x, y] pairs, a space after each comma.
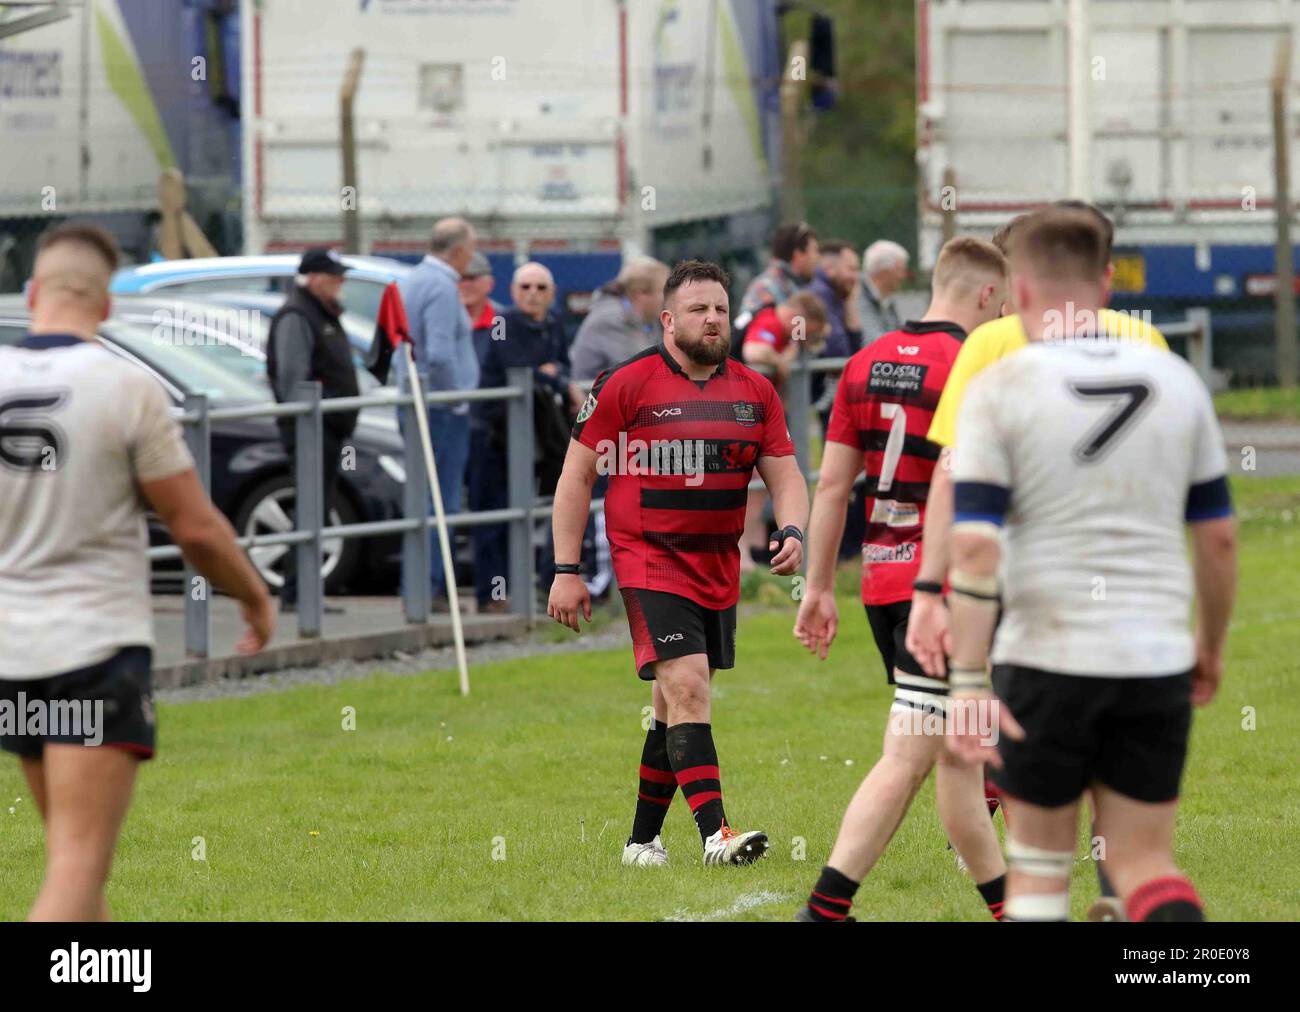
{"points": [[532, 337], [623, 319], [794, 258], [443, 346], [476, 284], [884, 269]]}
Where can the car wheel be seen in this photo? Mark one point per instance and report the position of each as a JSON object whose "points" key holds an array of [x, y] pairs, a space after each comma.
{"points": [[268, 509]]}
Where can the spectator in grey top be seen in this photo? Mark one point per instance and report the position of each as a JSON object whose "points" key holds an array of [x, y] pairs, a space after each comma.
{"points": [[884, 269], [623, 318], [443, 346]]}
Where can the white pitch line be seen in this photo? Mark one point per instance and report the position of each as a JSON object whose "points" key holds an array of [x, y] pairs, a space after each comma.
{"points": [[743, 904]]}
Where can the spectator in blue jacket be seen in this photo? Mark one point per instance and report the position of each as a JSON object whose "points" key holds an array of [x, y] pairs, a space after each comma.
{"points": [[835, 282], [533, 337], [443, 347]]}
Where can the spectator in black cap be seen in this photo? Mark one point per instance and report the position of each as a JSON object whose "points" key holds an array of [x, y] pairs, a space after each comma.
{"points": [[476, 284], [307, 343]]}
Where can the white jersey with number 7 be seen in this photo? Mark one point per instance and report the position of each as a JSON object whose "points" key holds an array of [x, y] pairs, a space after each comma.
{"points": [[1092, 457]]}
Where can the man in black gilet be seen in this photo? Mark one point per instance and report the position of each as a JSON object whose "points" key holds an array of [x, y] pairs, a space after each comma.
{"points": [[307, 343]]}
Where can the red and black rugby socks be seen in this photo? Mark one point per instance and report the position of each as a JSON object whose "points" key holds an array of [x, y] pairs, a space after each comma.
{"points": [[695, 764], [1168, 898], [994, 894], [832, 896], [658, 784]]}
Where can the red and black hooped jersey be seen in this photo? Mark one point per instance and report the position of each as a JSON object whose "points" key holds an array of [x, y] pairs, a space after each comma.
{"points": [[680, 454], [883, 407]]}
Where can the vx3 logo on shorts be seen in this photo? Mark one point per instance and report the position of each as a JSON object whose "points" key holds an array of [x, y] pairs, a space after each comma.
{"points": [[670, 638]]}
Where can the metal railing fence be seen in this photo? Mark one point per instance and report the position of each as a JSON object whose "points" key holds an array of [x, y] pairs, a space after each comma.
{"points": [[309, 410]]}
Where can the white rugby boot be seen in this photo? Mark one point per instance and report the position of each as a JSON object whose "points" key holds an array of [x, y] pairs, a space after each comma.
{"points": [[645, 855], [726, 846]]}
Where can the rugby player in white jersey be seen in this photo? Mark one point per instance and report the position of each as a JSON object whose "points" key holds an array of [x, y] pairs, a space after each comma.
{"points": [[1079, 462], [87, 443]]}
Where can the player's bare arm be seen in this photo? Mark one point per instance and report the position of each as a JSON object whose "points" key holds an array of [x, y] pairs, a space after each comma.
{"points": [[818, 618], [789, 492], [208, 542], [1214, 562], [760, 356], [928, 639], [569, 596], [974, 606]]}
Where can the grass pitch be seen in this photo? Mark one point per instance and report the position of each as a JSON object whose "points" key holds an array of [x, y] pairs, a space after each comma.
{"points": [[515, 803]]}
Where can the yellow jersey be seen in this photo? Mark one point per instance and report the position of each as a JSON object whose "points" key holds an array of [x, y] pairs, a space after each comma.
{"points": [[999, 338]]}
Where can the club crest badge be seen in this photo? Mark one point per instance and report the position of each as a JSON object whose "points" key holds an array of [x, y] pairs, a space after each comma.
{"points": [[744, 413], [588, 408]]}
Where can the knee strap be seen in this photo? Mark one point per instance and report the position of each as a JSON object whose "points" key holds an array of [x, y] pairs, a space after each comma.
{"points": [[1036, 861]]}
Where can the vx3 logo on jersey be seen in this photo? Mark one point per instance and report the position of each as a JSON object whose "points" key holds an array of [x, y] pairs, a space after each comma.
{"points": [[637, 457]]}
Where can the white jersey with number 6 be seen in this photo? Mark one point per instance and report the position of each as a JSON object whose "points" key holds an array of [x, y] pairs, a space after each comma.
{"points": [[80, 428], [1099, 445]]}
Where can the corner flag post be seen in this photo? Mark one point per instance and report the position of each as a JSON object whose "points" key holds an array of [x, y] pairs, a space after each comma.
{"points": [[440, 516]]}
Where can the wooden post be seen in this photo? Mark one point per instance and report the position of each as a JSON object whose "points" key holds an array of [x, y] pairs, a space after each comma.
{"points": [[179, 234], [793, 84], [949, 213], [350, 198], [1284, 266]]}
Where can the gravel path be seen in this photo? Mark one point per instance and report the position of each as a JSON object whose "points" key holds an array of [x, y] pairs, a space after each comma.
{"points": [[610, 637], [1276, 444]]}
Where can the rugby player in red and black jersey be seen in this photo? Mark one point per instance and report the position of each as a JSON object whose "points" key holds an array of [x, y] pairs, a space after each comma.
{"points": [[878, 424], [679, 429]]}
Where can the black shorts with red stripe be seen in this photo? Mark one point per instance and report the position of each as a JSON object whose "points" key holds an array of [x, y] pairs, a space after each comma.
{"points": [[665, 626], [109, 703]]}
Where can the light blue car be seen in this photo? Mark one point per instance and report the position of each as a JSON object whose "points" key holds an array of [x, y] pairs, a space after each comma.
{"points": [[267, 274]]}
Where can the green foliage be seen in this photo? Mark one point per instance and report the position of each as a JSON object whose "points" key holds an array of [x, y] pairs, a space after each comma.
{"points": [[1273, 403], [860, 159]]}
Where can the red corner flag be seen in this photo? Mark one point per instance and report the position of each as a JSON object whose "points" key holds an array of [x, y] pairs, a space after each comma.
{"points": [[392, 317], [391, 329]]}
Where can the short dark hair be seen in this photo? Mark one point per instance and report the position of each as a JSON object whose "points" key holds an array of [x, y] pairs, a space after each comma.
{"points": [[1060, 244], [94, 236], [834, 247], [687, 271], [1002, 238], [1103, 220], [788, 240]]}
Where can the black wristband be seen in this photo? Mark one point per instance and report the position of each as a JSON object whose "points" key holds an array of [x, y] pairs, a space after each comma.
{"points": [[786, 532], [927, 587], [568, 569]]}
